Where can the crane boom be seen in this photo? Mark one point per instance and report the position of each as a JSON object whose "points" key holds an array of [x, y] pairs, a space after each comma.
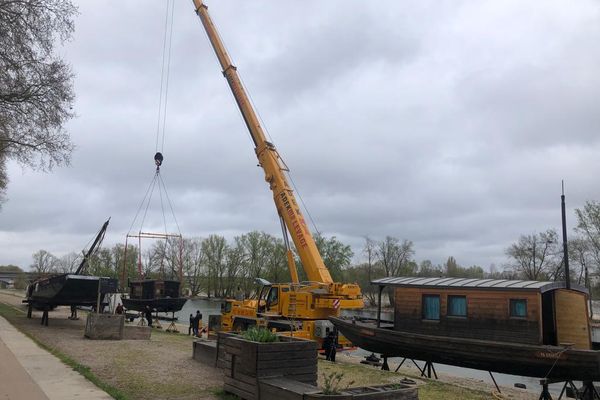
{"points": [[269, 159]]}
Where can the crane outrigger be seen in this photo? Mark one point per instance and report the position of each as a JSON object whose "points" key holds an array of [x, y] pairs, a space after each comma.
{"points": [[301, 307]]}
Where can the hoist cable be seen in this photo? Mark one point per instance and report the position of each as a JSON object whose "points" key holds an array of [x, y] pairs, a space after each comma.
{"points": [[170, 205], [162, 207], [162, 76], [141, 204], [268, 134], [303, 204], [148, 203], [167, 77]]}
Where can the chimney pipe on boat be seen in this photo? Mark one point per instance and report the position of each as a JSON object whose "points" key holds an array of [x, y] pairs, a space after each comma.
{"points": [[564, 234]]}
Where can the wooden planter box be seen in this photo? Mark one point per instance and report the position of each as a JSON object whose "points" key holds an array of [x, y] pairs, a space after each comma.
{"points": [[286, 389], [104, 326], [379, 392], [246, 362], [205, 351]]}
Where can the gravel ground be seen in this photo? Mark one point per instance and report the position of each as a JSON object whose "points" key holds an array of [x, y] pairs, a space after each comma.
{"points": [[161, 368]]}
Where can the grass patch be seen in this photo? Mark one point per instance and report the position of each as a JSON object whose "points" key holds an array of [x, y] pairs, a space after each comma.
{"points": [[8, 311], [221, 394], [11, 313], [366, 376]]}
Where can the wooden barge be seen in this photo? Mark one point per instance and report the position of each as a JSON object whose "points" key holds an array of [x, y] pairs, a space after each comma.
{"points": [[159, 294], [72, 289], [528, 328]]}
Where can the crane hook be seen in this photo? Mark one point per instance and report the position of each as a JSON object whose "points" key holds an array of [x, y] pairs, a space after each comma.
{"points": [[158, 159]]}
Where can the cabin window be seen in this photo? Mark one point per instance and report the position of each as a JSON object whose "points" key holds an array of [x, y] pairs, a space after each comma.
{"points": [[457, 306], [518, 308], [431, 306]]}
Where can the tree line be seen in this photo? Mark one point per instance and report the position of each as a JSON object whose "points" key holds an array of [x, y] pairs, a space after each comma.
{"points": [[217, 267]]}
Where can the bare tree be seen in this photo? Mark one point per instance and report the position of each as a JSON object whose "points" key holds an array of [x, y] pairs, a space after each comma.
{"points": [[68, 263], [395, 256], [535, 256], [369, 250], [43, 262], [255, 249], [588, 225], [215, 249], [581, 256], [36, 86], [194, 264]]}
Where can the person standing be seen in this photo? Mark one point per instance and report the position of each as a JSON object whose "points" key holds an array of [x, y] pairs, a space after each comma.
{"points": [[119, 309], [148, 315], [329, 346], [197, 322], [191, 327]]}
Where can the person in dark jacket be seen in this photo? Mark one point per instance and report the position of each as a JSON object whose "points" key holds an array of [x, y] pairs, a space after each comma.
{"points": [[329, 346], [148, 315], [197, 321], [191, 327]]}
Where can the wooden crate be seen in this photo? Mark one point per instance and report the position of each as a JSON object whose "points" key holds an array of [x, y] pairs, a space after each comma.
{"points": [[246, 362]]}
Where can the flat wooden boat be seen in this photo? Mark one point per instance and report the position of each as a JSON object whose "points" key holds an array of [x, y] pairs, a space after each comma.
{"points": [[72, 289], [66, 290], [555, 362], [159, 294]]}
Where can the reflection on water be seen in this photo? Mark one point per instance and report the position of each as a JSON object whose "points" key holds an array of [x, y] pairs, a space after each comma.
{"points": [[206, 307]]}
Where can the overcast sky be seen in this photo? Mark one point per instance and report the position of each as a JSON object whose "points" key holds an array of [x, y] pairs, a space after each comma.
{"points": [[450, 124]]}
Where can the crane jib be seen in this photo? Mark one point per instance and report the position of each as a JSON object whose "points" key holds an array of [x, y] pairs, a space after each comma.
{"points": [[297, 225]]}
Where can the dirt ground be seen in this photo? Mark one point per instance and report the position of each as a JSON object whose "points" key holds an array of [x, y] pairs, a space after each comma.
{"points": [[163, 368]]}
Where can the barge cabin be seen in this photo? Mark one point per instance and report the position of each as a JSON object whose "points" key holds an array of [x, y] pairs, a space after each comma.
{"points": [[160, 295], [527, 312]]}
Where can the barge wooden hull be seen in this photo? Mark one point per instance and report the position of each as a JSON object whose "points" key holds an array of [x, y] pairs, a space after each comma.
{"points": [[555, 362], [64, 290], [160, 304]]}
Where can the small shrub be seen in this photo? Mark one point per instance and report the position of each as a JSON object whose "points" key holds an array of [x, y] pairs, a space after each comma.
{"points": [[332, 383], [259, 334]]}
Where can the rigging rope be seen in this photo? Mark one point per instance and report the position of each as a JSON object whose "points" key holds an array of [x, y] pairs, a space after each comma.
{"points": [[164, 75]]}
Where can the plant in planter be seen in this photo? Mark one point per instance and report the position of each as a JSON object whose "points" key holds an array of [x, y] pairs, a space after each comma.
{"points": [[332, 383], [259, 334]]}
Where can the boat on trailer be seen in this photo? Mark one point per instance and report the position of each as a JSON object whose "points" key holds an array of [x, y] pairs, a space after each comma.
{"points": [[528, 328]]}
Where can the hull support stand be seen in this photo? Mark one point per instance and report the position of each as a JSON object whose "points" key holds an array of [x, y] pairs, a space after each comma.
{"points": [[545, 395], [427, 369], [172, 327], [494, 380]]}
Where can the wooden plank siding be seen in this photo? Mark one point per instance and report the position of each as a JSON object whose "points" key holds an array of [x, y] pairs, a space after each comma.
{"points": [[571, 319], [488, 314], [245, 363]]}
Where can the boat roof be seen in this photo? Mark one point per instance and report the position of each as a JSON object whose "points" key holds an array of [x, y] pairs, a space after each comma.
{"points": [[492, 284]]}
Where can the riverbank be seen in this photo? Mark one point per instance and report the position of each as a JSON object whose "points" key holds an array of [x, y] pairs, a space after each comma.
{"points": [[163, 368]]}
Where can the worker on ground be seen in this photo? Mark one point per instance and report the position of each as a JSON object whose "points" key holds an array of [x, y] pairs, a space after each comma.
{"points": [[329, 346], [148, 315], [119, 309], [191, 327], [197, 322]]}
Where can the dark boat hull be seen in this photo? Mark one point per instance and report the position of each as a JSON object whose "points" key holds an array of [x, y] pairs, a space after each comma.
{"points": [[160, 304], [554, 362], [64, 290]]}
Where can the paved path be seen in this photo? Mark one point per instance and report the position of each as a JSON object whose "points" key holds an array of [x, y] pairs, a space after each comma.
{"points": [[28, 372]]}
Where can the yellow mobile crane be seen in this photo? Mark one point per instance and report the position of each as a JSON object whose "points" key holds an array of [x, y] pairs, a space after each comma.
{"points": [[298, 307]]}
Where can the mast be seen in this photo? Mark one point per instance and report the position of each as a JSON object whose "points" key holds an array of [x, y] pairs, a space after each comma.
{"points": [[92, 250], [269, 159], [564, 234]]}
